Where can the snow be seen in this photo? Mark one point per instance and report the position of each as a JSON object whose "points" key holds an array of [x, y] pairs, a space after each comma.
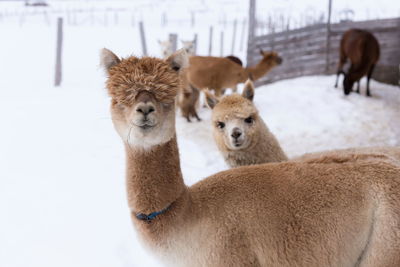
{"points": [[62, 190]]}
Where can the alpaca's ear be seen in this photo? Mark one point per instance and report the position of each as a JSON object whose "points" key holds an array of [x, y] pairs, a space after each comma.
{"points": [[108, 59], [248, 90], [211, 100], [178, 60]]}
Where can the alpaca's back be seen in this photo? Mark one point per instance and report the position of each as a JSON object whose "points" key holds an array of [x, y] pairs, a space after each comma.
{"points": [[301, 214]]}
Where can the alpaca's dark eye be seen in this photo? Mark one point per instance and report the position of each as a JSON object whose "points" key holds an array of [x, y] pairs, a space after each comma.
{"points": [[220, 124], [249, 120]]}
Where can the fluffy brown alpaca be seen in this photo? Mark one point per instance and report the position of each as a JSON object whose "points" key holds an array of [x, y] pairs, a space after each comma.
{"points": [[218, 73], [240, 133], [277, 214]]}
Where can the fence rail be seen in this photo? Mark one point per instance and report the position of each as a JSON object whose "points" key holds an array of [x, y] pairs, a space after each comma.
{"points": [[305, 51]]}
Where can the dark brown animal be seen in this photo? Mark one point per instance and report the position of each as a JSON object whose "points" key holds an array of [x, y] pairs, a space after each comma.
{"points": [[362, 48]]}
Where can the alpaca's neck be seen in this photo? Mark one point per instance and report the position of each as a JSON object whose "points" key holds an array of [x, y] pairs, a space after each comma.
{"points": [[263, 149], [259, 70], [154, 178]]}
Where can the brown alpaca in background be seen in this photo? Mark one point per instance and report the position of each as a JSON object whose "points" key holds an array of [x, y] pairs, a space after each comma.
{"points": [[239, 131], [277, 214], [216, 73], [188, 97], [362, 48]]}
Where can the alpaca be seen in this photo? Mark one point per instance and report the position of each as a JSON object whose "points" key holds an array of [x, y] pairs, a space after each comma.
{"points": [[166, 48], [362, 48], [218, 73], [240, 133], [277, 214], [243, 138], [188, 99], [190, 47]]}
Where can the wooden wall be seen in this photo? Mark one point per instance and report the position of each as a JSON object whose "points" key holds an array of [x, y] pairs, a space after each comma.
{"points": [[305, 51]]}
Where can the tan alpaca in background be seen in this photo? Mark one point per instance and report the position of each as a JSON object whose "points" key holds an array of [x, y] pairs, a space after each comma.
{"points": [[189, 46], [278, 214], [239, 131], [219, 73], [166, 48]]}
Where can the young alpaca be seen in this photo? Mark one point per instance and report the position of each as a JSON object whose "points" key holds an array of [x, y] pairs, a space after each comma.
{"points": [[278, 214], [240, 133]]}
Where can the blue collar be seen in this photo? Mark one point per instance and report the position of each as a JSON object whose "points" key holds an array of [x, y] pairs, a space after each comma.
{"points": [[151, 216]]}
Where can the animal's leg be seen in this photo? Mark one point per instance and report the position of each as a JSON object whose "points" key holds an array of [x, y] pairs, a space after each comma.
{"points": [[371, 70], [218, 92], [337, 78], [193, 113], [197, 116], [358, 86], [342, 61]]}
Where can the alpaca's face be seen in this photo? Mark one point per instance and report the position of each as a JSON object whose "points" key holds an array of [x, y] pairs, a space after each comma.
{"points": [[166, 48], [236, 120], [143, 92], [189, 47], [146, 122], [347, 84], [271, 57], [236, 131]]}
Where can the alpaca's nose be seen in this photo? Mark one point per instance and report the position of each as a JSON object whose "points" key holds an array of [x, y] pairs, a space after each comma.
{"points": [[145, 109], [236, 133]]}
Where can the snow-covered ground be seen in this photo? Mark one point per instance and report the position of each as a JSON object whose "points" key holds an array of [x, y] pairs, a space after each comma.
{"points": [[62, 191]]}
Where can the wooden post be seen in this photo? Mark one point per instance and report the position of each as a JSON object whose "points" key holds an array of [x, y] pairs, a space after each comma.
{"points": [[242, 35], [193, 18], [211, 40], [195, 43], [252, 19], [221, 51], [234, 36], [328, 36], [251, 31], [173, 38], [58, 71], [164, 20], [143, 39]]}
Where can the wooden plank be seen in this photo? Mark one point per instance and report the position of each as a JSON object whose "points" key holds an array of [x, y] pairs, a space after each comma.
{"points": [[143, 38], [58, 71]]}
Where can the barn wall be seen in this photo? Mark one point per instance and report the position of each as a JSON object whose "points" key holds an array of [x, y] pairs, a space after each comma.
{"points": [[304, 51]]}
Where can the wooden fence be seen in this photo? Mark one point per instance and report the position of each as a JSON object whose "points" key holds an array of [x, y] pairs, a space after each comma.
{"points": [[314, 50]]}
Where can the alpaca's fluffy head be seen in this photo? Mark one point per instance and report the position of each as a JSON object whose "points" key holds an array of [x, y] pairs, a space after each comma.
{"points": [[271, 57], [143, 92], [235, 119], [189, 46]]}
